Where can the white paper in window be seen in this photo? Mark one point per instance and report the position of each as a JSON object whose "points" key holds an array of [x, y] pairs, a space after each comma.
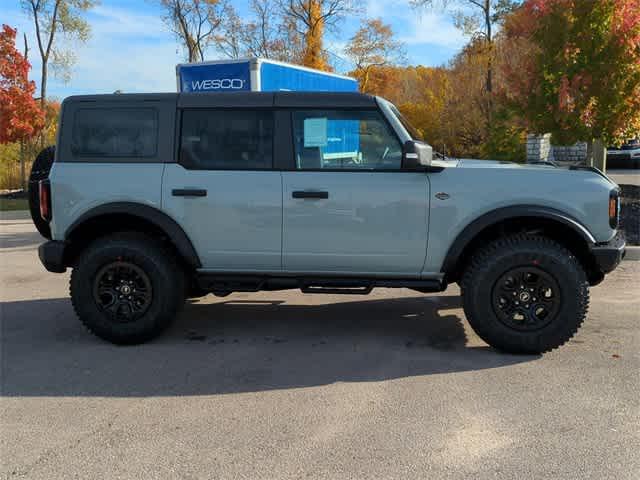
{"points": [[315, 132]]}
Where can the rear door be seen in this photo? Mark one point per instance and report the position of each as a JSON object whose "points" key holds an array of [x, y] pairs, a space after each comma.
{"points": [[348, 206], [223, 189]]}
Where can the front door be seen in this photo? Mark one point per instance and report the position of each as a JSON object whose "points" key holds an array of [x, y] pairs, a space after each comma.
{"points": [[224, 191], [348, 208]]}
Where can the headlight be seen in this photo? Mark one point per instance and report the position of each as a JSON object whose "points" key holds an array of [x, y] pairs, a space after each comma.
{"points": [[614, 208]]}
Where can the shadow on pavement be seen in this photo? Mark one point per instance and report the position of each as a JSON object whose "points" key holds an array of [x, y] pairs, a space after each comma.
{"points": [[240, 346]]}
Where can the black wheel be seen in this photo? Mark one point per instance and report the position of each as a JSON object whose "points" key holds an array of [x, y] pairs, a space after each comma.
{"points": [[525, 294], [40, 171], [126, 288]]}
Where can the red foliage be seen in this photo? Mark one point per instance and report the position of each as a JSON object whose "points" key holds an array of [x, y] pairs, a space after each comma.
{"points": [[20, 116], [625, 23], [576, 69]]}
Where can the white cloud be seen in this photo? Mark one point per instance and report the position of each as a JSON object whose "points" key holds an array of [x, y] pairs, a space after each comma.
{"points": [[128, 50], [418, 26], [433, 29], [120, 21]]}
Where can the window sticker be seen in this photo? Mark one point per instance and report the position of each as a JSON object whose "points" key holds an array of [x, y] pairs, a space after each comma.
{"points": [[315, 132]]}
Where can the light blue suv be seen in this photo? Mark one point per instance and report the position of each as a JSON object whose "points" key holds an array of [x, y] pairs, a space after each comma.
{"points": [[153, 198]]}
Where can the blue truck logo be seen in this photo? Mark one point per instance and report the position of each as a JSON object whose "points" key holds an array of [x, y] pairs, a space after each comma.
{"points": [[215, 78]]}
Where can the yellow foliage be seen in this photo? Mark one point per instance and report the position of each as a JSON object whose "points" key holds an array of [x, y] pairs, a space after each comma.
{"points": [[314, 55]]}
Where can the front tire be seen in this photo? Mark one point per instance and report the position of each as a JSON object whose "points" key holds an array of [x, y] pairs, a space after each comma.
{"points": [[126, 288], [525, 294]]}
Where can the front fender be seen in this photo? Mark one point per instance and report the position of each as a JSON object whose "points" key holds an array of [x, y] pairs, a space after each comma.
{"points": [[495, 217]]}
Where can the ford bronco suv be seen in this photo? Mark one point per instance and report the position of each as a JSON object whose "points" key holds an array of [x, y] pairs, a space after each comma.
{"points": [[154, 198]]}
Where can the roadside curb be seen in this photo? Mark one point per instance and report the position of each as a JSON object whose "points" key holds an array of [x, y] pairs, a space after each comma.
{"points": [[633, 253]]}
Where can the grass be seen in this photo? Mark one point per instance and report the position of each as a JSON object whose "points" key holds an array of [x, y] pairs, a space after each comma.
{"points": [[11, 204]]}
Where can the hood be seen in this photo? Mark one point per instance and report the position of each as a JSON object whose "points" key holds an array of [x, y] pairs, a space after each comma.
{"points": [[548, 166], [475, 163]]}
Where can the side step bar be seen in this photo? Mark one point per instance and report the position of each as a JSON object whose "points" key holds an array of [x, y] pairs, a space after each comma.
{"points": [[221, 284]]}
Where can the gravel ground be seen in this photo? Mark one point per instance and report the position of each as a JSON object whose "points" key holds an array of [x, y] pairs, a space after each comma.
{"points": [[280, 385]]}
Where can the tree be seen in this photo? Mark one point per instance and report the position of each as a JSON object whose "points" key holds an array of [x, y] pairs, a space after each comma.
{"points": [[310, 18], [581, 78], [53, 17], [195, 23], [266, 34], [20, 116], [373, 45], [479, 18], [447, 104]]}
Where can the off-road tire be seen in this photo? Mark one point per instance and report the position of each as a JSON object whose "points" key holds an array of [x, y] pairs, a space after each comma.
{"points": [[161, 269], [40, 171], [489, 265]]}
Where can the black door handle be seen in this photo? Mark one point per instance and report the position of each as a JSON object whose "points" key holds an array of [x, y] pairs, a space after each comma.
{"points": [[189, 192], [310, 194]]}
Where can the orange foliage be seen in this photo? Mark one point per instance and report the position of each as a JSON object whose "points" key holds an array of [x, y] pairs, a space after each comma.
{"points": [[314, 55], [20, 116]]}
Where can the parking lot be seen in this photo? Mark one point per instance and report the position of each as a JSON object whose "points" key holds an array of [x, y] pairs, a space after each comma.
{"points": [[285, 385]]}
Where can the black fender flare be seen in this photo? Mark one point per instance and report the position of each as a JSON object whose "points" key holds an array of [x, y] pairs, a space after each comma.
{"points": [[161, 220], [494, 217]]}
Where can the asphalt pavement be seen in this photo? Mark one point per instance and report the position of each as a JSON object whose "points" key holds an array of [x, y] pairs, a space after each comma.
{"points": [[281, 385]]}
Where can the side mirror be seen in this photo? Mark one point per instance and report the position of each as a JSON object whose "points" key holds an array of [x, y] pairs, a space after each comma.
{"points": [[416, 155]]}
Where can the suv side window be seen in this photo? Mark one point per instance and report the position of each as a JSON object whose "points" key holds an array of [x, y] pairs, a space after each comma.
{"points": [[115, 132], [345, 140], [226, 139]]}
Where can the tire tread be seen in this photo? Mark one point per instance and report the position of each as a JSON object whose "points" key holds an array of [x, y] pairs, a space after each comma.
{"points": [[482, 261]]}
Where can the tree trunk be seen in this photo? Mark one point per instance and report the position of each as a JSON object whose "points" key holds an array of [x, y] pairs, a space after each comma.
{"points": [[489, 79], [599, 155], [313, 54], [43, 94], [365, 80], [487, 13], [43, 82], [23, 178], [589, 160]]}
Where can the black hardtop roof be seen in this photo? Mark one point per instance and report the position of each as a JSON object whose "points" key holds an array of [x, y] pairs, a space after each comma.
{"points": [[240, 99]]}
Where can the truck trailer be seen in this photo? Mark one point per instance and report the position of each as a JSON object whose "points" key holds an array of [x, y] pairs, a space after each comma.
{"points": [[258, 75]]}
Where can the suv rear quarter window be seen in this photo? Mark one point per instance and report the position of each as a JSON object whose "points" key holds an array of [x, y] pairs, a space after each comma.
{"points": [[115, 132], [126, 128]]}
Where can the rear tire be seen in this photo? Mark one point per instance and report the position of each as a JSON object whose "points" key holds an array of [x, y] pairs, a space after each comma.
{"points": [[126, 288], [525, 294]]}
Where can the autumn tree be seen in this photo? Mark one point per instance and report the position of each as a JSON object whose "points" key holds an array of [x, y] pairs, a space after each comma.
{"points": [[581, 80], [480, 20], [447, 104], [20, 116], [311, 18], [195, 23], [53, 19], [373, 45], [266, 34]]}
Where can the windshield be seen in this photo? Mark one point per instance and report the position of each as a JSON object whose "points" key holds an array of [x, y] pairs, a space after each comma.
{"points": [[415, 134]]}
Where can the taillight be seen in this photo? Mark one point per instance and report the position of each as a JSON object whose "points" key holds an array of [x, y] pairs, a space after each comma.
{"points": [[614, 208], [44, 188]]}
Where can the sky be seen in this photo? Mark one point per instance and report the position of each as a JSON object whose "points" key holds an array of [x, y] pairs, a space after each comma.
{"points": [[130, 49]]}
